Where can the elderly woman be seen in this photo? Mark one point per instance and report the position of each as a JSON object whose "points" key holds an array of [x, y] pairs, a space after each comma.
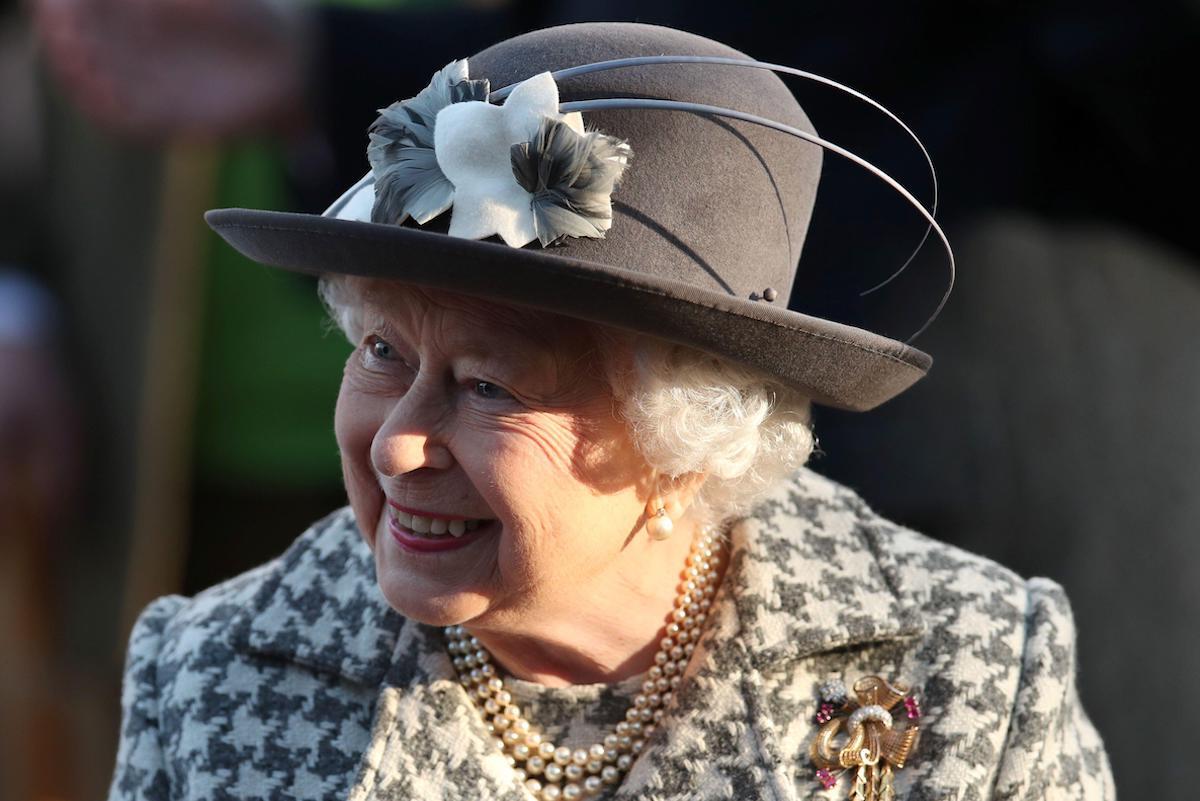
{"points": [[582, 556]]}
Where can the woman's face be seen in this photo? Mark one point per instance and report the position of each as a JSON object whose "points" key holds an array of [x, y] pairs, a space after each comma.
{"points": [[462, 408]]}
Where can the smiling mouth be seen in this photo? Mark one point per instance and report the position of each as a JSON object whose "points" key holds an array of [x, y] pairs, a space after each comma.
{"points": [[433, 528]]}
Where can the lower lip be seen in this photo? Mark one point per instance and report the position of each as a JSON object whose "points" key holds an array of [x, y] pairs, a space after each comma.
{"points": [[412, 542]]}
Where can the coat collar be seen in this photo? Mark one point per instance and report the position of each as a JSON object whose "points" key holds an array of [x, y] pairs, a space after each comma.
{"points": [[808, 575]]}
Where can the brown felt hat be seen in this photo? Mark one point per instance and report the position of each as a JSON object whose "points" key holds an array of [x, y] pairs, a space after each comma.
{"points": [[701, 245]]}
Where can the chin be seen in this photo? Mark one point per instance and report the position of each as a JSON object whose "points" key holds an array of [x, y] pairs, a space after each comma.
{"points": [[445, 610]]}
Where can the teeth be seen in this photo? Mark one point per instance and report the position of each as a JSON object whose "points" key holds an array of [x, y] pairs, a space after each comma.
{"points": [[432, 526]]}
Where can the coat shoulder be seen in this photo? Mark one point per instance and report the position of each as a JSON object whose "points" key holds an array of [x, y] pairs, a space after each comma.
{"points": [[995, 668], [928, 570], [215, 684], [211, 615]]}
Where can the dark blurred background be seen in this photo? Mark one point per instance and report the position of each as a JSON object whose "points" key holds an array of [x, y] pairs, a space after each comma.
{"points": [[166, 407]]}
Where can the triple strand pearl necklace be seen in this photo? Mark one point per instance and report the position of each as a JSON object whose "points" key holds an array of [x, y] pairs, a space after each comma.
{"points": [[554, 773]]}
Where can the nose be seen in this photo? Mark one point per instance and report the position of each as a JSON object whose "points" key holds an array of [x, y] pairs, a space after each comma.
{"points": [[413, 434]]}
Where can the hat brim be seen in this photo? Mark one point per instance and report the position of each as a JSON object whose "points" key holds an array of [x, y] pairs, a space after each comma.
{"points": [[835, 364]]}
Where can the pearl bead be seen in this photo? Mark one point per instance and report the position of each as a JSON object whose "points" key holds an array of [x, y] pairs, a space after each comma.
{"points": [[572, 791], [610, 774], [546, 751], [502, 724], [520, 774], [596, 751], [594, 766], [535, 764], [551, 792], [580, 756], [533, 739], [573, 772], [533, 786], [592, 784], [503, 698], [623, 762], [521, 751], [553, 772]]}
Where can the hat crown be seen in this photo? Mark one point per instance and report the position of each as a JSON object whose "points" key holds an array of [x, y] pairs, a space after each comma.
{"points": [[718, 203]]}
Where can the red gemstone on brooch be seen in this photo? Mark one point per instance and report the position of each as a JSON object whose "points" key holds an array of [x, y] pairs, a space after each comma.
{"points": [[825, 713], [912, 707], [826, 778]]}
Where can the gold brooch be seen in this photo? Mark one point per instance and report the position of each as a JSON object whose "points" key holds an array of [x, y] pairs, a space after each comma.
{"points": [[876, 744]]}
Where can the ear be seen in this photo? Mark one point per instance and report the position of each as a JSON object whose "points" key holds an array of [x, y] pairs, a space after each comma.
{"points": [[674, 494]]}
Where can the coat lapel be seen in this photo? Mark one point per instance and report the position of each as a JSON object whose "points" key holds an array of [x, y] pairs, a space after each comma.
{"points": [[806, 577]]}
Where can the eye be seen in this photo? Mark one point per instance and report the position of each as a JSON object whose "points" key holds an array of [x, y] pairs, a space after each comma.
{"points": [[380, 349], [489, 391], [376, 349]]}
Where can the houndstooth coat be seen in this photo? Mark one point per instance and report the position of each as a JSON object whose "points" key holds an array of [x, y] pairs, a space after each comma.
{"points": [[296, 680]]}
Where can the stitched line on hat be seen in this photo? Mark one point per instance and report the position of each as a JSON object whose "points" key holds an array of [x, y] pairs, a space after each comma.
{"points": [[603, 280]]}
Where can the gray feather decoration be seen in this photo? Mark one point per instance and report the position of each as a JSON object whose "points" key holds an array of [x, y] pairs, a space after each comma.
{"points": [[408, 180], [571, 177]]}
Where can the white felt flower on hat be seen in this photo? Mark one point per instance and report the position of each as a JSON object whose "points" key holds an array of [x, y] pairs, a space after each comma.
{"points": [[472, 141], [520, 170]]}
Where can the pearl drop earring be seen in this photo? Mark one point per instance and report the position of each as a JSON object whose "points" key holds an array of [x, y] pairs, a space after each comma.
{"points": [[660, 526]]}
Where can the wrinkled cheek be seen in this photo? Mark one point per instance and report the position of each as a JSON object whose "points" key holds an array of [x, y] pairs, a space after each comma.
{"points": [[354, 428]]}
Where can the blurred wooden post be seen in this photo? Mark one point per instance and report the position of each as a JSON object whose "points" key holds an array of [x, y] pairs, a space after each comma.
{"points": [[158, 541], [33, 725]]}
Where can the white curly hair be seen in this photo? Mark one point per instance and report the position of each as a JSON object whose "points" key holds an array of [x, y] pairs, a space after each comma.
{"points": [[687, 411]]}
